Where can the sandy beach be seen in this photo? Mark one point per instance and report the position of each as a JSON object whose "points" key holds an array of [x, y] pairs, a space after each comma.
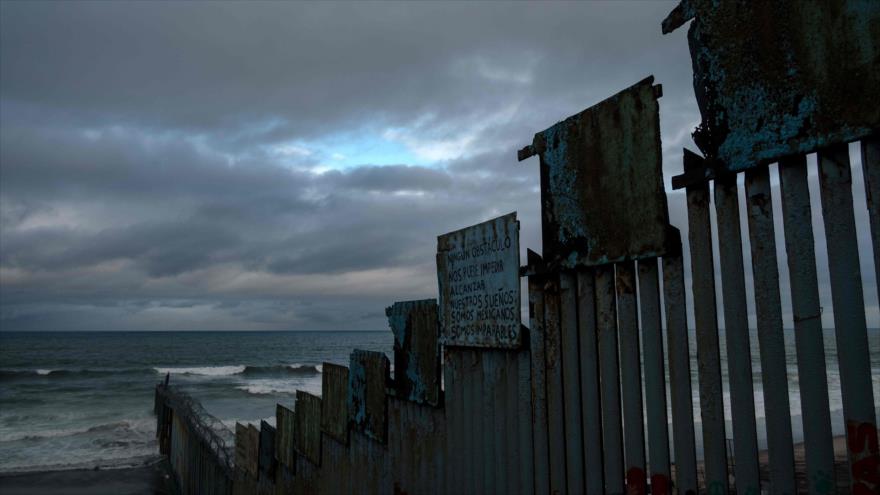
{"points": [[151, 479]]}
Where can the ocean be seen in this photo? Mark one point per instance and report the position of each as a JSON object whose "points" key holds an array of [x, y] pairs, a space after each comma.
{"points": [[84, 399]]}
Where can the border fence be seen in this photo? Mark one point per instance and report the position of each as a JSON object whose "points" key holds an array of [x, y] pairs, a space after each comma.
{"points": [[595, 395]]}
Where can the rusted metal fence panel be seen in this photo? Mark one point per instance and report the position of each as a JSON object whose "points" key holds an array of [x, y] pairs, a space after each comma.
{"points": [[307, 427], [591, 405], [485, 418], [612, 434], [367, 405], [807, 315], [588, 163], [284, 420], [675, 304], [478, 274], [538, 359], [781, 78], [416, 350], [571, 374], [334, 407], [835, 182], [706, 321], [768, 310], [454, 409], [267, 450], [736, 329], [655, 379], [631, 378], [555, 387], [521, 394]]}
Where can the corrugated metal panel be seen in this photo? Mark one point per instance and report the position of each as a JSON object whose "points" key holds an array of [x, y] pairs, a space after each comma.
{"points": [[590, 395], [284, 419], [555, 387], [781, 78], [609, 372], [367, 406], [416, 350], [571, 379], [307, 427], [537, 364], [267, 451], [602, 197], [478, 275], [630, 377], [334, 413]]}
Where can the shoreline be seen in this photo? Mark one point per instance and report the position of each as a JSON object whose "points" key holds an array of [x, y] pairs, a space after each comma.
{"points": [[146, 478]]}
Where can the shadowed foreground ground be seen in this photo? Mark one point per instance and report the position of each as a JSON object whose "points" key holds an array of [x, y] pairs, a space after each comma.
{"points": [[152, 479]]}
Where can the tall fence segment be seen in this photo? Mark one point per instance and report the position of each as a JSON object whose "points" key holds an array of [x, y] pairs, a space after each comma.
{"points": [[596, 394]]}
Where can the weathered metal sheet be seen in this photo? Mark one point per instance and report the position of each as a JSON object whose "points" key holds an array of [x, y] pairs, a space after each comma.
{"points": [[267, 451], [590, 396], [680, 390], [284, 420], [768, 310], [416, 350], [602, 197], [485, 415], [630, 377], [478, 275], [706, 323], [835, 181], [538, 381], [367, 406], [781, 78], [555, 387], [609, 372], [334, 410], [252, 456], [806, 310], [571, 380], [655, 377], [524, 416], [736, 329], [307, 427], [453, 407]]}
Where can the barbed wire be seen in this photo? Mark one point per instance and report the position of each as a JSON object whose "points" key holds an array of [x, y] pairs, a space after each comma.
{"points": [[209, 430]]}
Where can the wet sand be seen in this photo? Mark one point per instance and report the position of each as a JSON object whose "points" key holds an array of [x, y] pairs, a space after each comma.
{"points": [[151, 479]]}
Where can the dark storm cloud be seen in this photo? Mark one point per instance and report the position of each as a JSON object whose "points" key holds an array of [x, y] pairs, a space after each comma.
{"points": [[285, 165]]}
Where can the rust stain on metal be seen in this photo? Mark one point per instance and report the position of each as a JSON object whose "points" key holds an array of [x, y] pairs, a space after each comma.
{"points": [[284, 420], [602, 197], [367, 404], [780, 78], [334, 414], [416, 350], [478, 276], [307, 426]]}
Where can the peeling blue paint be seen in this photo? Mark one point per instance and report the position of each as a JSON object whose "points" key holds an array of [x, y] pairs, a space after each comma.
{"points": [[602, 196], [782, 78]]}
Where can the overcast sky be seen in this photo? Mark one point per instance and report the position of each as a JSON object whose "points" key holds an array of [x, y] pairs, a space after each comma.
{"points": [[201, 166]]}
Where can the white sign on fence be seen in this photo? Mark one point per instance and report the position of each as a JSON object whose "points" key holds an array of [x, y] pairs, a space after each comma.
{"points": [[478, 274]]}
